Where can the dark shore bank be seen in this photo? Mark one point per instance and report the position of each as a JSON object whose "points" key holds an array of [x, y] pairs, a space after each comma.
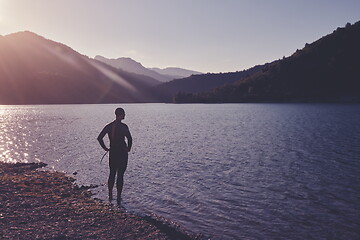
{"points": [[48, 205]]}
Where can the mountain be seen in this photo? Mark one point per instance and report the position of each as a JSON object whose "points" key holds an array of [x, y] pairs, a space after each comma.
{"points": [[162, 75], [35, 70], [129, 65], [203, 82], [175, 73], [327, 70]]}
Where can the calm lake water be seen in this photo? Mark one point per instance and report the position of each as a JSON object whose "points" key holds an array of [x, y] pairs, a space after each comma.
{"points": [[228, 171]]}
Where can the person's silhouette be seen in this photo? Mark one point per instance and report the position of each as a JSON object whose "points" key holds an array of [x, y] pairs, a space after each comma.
{"points": [[118, 157]]}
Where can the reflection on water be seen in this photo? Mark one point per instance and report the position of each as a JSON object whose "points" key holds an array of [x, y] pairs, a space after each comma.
{"points": [[14, 142], [229, 171]]}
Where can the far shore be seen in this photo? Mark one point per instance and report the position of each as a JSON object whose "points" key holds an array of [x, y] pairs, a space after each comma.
{"points": [[48, 205]]}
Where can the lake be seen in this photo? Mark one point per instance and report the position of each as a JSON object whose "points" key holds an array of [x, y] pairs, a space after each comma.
{"points": [[228, 171]]}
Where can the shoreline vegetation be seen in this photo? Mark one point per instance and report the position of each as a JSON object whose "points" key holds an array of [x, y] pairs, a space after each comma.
{"points": [[48, 205]]}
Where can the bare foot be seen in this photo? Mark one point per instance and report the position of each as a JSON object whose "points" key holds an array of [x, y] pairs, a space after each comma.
{"points": [[118, 198]]}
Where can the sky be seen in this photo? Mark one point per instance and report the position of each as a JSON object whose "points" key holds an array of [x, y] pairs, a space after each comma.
{"points": [[201, 35]]}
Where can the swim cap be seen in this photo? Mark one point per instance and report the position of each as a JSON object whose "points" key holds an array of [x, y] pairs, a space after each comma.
{"points": [[119, 111]]}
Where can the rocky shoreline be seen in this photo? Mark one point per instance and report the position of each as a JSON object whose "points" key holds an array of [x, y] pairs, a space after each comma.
{"points": [[48, 205]]}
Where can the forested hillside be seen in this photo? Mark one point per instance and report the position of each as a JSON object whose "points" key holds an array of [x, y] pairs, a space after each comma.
{"points": [[327, 70]]}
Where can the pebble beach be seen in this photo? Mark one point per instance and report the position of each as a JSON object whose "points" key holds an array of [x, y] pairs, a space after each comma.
{"points": [[38, 204]]}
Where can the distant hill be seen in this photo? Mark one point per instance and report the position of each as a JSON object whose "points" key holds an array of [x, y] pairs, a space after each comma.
{"points": [[327, 70], [162, 75], [203, 82], [35, 70], [129, 65], [175, 73]]}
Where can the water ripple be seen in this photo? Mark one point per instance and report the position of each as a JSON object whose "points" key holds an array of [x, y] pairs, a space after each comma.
{"points": [[229, 171]]}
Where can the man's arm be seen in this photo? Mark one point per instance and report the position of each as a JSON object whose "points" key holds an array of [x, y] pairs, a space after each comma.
{"points": [[100, 139], [129, 140]]}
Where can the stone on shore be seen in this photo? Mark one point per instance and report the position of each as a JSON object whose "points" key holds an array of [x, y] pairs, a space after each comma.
{"points": [[48, 205]]}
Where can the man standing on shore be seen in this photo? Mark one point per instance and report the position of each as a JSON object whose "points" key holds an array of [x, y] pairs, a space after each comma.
{"points": [[118, 157]]}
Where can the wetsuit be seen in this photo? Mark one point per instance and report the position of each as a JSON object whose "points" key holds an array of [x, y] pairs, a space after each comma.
{"points": [[118, 157]]}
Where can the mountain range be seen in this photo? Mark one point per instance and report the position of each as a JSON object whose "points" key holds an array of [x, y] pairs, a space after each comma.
{"points": [[162, 75], [36, 70], [175, 72]]}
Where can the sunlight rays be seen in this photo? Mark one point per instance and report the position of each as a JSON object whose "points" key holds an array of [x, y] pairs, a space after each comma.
{"points": [[115, 77]]}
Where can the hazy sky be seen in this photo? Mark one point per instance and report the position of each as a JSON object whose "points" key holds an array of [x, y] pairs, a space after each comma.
{"points": [[202, 35]]}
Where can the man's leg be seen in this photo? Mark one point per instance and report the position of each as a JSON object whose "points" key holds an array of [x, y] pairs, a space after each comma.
{"points": [[120, 184], [111, 181], [120, 177]]}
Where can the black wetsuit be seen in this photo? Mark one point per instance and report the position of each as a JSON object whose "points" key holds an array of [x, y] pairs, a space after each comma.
{"points": [[118, 157]]}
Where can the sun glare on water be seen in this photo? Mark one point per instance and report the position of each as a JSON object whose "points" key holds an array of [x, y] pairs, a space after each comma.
{"points": [[13, 143]]}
